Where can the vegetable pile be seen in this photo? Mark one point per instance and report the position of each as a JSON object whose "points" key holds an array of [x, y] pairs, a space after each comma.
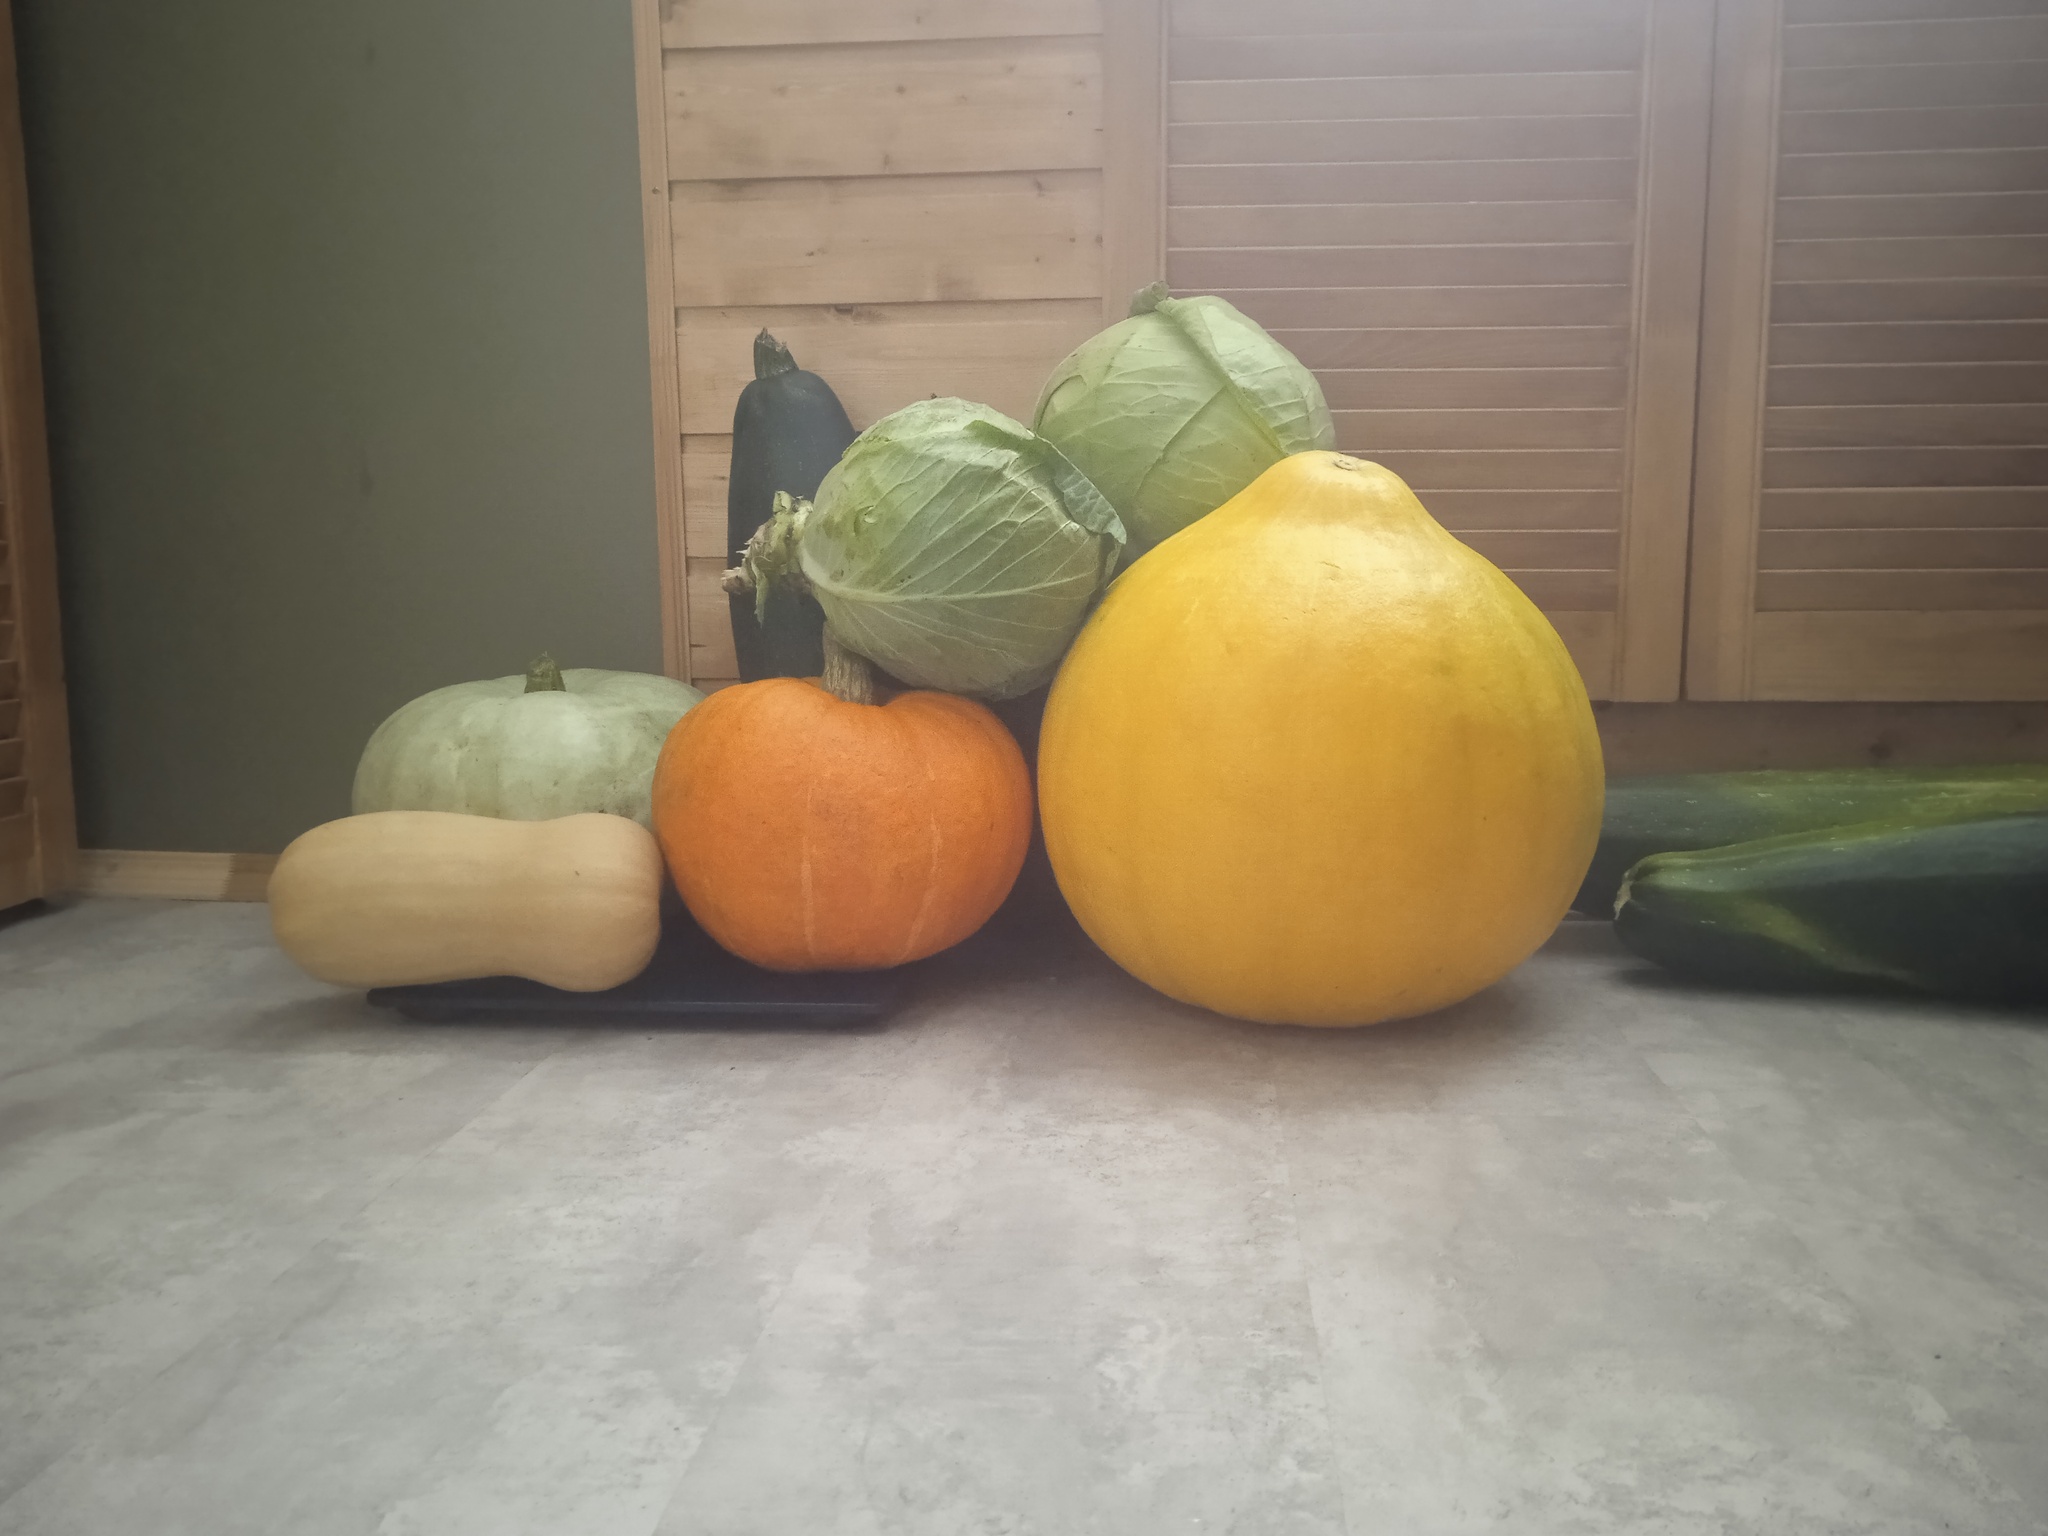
{"points": [[1305, 759]]}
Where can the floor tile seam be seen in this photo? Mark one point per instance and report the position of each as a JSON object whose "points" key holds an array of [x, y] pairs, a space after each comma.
{"points": [[826, 1197], [1839, 1018], [319, 1237], [1902, 1361], [1284, 1163]]}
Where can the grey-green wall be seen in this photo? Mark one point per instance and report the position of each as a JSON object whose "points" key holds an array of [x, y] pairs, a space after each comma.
{"points": [[344, 329]]}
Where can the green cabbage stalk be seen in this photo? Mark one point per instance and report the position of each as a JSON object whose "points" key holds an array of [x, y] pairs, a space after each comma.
{"points": [[1175, 410], [950, 546]]}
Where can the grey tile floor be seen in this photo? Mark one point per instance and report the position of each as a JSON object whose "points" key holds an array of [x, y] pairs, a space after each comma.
{"points": [[1047, 1255]]}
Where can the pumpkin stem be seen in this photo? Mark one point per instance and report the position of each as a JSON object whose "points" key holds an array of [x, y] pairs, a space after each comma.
{"points": [[771, 356], [770, 558], [848, 675], [544, 676]]}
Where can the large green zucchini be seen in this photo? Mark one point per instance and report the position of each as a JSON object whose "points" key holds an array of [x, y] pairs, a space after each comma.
{"points": [[1958, 909], [787, 431], [1676, 812]]}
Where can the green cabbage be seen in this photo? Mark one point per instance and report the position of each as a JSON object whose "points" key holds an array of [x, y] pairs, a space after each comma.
{"points": [[953, 548], [1175, 410]]}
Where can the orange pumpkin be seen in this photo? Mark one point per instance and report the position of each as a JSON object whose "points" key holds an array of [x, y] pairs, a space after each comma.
{"points": [[809, 828]]}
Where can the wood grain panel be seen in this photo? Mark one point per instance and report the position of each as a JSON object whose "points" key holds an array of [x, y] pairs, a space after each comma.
{"points": [[1298, 311], [1910, 302], [1463, 511], [1915, 342], [1908, 383], [10, 719], [1133, 151], [1998, 506], [878, 358], [1481, 429], [707, 475], [1417, 54], [1356, 224], [1926, 256], [1432, 138], [658, 257], [1320, 20], [892, 239], [1402, 182], [1803, 12], [39, 861], [1664, 401], [1934, 591], [1904, 426], [1437, 205], [1539, 348], [1735, 309], [1902, 549], [1567, 591], [711, 649], [1023, 104], [1878, 128], [12, 754], [1888, 655], [1365, 389], [1469, 470], [1949, 40], [783, 23], [1789, 468], [1400, 266], [1590, 637], [1582, 93], [1957, 213], [1938, 170], [1525, 549], [2020, 83]]}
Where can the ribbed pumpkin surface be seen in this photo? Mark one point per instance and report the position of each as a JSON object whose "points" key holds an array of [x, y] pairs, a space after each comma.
{"points": [[809, 833]]}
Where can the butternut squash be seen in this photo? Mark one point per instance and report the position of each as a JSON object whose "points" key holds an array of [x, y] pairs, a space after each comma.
{"points": [[397, 898]]}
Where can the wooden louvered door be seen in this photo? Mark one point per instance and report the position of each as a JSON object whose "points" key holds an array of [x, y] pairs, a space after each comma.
{"points": [[1872, 508], [1480, 222], [36, 836]]}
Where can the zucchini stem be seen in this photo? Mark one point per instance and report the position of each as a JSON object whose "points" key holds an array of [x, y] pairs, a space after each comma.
{"points": [[770, 559]]}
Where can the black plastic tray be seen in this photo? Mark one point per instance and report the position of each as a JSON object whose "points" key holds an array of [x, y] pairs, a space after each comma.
{"points": [[689, 977]]}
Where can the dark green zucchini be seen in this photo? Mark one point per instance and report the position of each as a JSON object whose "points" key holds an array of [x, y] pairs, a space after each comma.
{"points": [[1676, 812], [787, 431], [1954, 910]]}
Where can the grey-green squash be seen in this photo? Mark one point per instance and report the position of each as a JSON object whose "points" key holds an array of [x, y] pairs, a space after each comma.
{"points": [[532, 748]]}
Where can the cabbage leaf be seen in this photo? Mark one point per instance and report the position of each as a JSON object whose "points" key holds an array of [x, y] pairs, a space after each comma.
{"points": [[1175, 410], [957, 550]]}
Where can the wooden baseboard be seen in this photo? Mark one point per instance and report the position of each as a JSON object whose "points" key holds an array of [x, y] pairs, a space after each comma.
{"points": [[177, 876], [1695, 737]]}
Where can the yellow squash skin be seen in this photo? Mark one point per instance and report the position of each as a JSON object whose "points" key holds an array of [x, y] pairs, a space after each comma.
{"points": [[1314, 761], [395, 898]]}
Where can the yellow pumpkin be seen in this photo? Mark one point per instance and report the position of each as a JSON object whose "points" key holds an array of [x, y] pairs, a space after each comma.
{"points": [[395, 898], [1314, 761]]}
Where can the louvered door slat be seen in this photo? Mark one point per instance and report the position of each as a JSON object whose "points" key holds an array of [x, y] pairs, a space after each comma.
{"points": [[1478, 221], [1874, 435]]}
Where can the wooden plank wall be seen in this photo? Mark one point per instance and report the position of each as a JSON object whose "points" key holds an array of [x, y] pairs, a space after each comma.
{"points": [[1874, 505], [1479, 221], [907, 192], [38, 836]]}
